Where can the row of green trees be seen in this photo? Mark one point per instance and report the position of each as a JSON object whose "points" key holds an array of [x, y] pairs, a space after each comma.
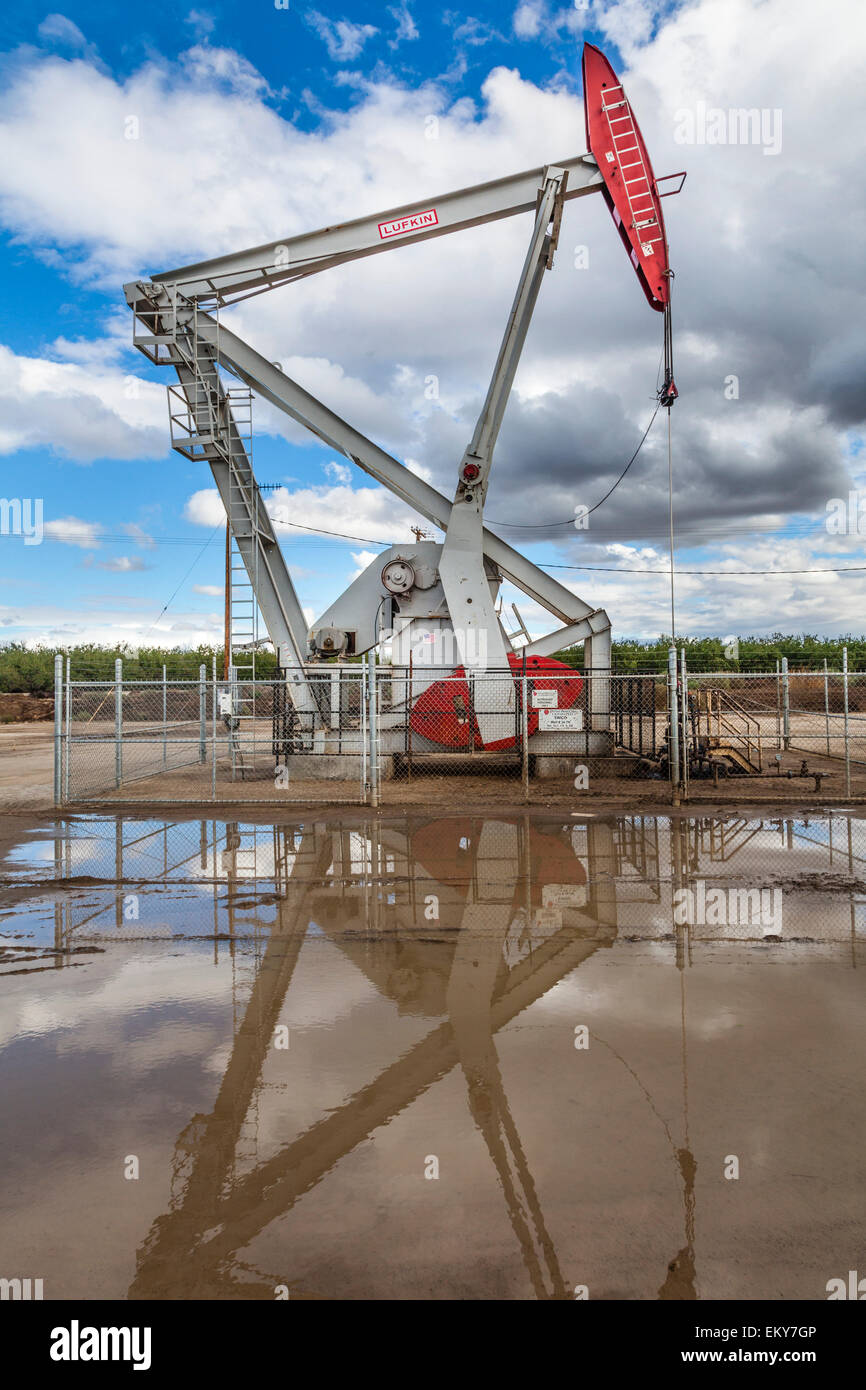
{"points": [[804, 653], [27, 669], [31, 669]]}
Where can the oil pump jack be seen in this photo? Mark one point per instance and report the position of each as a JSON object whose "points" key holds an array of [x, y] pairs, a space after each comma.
{"points": [[436, 598]]}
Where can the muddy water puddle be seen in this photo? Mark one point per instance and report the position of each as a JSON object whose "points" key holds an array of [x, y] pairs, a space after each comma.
{"points": [[522, 1056]]}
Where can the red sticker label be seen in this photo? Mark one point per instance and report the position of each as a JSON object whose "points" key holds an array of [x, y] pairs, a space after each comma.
{"points": [[416, 223]]}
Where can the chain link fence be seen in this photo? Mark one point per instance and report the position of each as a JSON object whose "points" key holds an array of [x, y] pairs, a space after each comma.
{"points": [[685, 880], [782, 726], [373, 734]]}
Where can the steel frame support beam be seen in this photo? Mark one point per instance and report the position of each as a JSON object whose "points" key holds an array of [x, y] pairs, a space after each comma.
{"points": [[480, 639], [287, 395], [294, 258], [543, 190], [195, 358], [277, 598], [538, 259]]}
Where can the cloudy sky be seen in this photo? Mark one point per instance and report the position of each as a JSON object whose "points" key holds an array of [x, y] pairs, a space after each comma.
{"points": [[253, 123]]}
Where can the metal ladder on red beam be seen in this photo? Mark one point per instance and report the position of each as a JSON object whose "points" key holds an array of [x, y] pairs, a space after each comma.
{"points": [[620, 148]]}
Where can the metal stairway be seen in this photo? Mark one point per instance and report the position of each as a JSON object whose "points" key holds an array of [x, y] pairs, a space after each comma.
{"points": [[211, 421], [728, 729], [244, 504], [213, 424]]}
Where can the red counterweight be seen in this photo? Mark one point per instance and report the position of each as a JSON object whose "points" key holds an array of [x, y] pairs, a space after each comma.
{"points": [[443, 714], [630, 186]]}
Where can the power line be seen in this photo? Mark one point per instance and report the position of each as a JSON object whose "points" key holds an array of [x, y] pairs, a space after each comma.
{"points": [[547, 525], [626, 569], [108, 536], [181, 584], [602, 569], [706, 533]]}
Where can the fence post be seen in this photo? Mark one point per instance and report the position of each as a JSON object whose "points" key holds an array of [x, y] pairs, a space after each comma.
{"points": [[786, 706], [58, 728], [845, 708], [164, 717], [409, 720], [373, 724], [68, 738], [118, 721], [827, 705], [213, 706], [365, 701], [524, 736], [673, 727], [202, 712], [684, 695], [778, 706]]}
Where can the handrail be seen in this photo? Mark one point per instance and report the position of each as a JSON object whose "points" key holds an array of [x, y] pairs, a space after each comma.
{"points": [[722, 713]]}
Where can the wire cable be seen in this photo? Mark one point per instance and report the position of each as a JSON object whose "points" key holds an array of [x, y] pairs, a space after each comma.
{"points": [[548, 525], [627, 569], [601, 569], [167, 605]]}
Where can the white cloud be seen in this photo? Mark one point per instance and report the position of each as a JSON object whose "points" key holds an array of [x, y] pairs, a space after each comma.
{"points": [[343, 39], [367, 513], [224, 65], [86, 412], [124, 564], [362, 559], [528, 18], [61, 30], [71, 530], [407, 29], [111, 622], [138, 534], [340, 472], [211, 590], [205, 508], [202, 22], [471, 31]]}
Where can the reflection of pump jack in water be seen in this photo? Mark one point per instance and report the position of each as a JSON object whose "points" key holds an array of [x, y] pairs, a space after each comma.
{"points": [[471, 986], [680, 1281], [191, 1249]]}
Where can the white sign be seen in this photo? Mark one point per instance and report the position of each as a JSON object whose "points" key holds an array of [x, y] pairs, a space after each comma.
{"points": [[545, 699], [560, 719], [563, 895]]}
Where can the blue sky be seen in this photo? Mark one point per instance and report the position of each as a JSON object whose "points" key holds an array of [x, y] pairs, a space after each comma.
{"points": [[259, 122]]}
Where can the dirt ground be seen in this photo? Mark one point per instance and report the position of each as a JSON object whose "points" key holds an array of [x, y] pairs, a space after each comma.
{"points": [[26, 766], [27, 783], [25, 709]]}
